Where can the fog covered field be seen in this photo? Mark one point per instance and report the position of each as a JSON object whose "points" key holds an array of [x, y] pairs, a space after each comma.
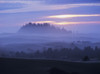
{"points": [[24, 42]]}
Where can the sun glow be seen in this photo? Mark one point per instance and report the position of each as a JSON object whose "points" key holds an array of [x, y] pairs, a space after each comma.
{"points": [[43, 22], [72, 16], [68, 23]]}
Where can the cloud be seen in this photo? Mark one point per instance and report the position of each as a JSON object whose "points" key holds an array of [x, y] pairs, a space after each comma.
{"points": [[30, 6], [68, 23], [72, 16], [71, 1]]}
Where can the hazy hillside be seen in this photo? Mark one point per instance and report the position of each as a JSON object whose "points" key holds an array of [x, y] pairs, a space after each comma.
{"points": [[38, 28], [33, 37]]}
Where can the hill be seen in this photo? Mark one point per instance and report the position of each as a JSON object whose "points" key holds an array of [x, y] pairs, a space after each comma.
{"points": [[29, 66], [38, 28]]}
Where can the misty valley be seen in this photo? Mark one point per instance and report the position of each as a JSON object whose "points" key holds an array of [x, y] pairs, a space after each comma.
{"points": [[49, 36], [45, 41], [47, 49]]}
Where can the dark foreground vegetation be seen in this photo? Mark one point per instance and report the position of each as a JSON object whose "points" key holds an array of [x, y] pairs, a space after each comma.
{"points": [[29, 66], [68, 54]]}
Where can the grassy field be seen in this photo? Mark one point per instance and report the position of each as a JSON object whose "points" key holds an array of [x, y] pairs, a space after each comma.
{"points": [[29, 66]]}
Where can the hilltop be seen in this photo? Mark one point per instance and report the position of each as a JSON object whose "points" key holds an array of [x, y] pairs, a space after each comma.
{"points": [[42, 28]]}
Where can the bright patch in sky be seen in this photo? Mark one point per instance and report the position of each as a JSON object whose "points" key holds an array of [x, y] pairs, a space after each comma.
{"points": [[71, 16]]}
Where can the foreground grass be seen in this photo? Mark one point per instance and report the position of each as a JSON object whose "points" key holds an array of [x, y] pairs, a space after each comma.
{"points": [[29, 66]]}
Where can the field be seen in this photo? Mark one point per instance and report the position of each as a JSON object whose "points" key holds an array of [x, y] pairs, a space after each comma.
{"points": [[36, 66]]}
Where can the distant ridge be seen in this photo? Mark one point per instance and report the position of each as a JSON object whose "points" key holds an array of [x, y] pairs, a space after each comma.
{"points": [[44, 28]]}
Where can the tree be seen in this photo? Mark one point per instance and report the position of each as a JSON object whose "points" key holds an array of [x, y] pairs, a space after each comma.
{"points": [[37, 54], [86, 58]]}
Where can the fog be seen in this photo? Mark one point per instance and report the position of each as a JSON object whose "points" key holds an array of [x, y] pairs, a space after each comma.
{"points": [[45, 41], [36, 36], [23, 42]]}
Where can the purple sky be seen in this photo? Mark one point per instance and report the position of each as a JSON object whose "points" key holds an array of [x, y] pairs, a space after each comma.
{"points": [[82, 16]]}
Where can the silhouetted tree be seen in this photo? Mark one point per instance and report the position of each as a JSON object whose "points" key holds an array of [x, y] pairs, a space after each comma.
{"points": [[86, 58], [17, 54], [37, 54]]}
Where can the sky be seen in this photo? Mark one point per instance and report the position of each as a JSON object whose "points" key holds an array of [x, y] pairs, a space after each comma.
{"points": [[80, 16]]}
